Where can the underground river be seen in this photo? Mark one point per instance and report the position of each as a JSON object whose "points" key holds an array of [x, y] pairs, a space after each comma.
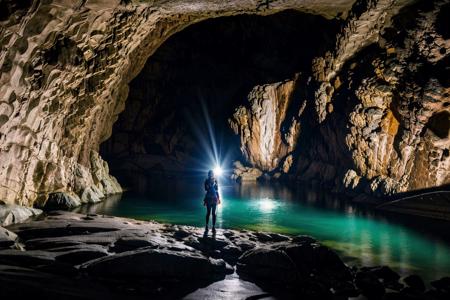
{"points": [[360, 235]]}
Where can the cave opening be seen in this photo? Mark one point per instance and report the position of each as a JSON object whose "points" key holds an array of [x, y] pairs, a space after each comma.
{"points": [[198, 77]]}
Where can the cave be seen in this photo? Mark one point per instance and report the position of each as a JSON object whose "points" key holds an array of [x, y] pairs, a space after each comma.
{"points": [[178, 107], [206, 149]]}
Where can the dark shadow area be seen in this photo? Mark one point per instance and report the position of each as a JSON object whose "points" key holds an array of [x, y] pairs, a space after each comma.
{"points": [[199, 77], [439, 124], [443, 21]]}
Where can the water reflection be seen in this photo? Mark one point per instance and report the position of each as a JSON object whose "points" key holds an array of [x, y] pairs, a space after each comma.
{"points": [[109, 205], [360, 235]]}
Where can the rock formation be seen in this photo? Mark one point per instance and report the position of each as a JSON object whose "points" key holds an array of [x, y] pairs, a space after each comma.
{"points": [[65, 70], [376, 108], [267, 136], [84, 256], [382, 136], [377, 116]]}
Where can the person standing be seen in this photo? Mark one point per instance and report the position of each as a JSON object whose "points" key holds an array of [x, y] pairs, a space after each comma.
{"points": [[211, 200]]}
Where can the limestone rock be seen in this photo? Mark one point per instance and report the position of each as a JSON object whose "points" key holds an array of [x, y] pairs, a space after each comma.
{"points": [[60, 200], [268, 264], [259, 125], [7, 238], [243, 174], [11, 214], [377, 102], [385, 139]]}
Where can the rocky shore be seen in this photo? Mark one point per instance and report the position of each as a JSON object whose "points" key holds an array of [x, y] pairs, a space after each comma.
{"points": [[80, 256]]}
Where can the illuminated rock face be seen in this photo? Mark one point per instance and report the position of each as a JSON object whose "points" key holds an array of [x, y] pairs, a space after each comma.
{"points": [[65, 69], [378, 118], [391, 125], [263, 142]]}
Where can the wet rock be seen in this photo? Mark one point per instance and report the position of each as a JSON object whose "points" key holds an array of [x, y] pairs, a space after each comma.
{"points": [[276, 237], [386, 274], [442, 284], [327, 261], [345, 289], [369, 284], [128, 243], [26, 258], [244, 244], [231, 254], [263, 237], [303, 256], [156, 263], [304, 239], [79, 255], [267, 265], [97, 247], [414, 283], [7, 238], [181, 234], [27, 283], [12, 214], [62, 200]]}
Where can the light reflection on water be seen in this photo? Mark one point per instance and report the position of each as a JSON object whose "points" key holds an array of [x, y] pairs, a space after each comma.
{"points": [[361, 236]]}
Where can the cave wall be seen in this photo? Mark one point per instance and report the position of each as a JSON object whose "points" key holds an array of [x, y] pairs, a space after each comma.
{"points": [[374, 118], [383, 114], [65, 69]]}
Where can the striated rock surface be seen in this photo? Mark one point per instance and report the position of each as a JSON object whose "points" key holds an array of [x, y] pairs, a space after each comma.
{"points": [[378, 99], [374, 112], [11, 214], [7, 238], [267, 134], [64, 74]]}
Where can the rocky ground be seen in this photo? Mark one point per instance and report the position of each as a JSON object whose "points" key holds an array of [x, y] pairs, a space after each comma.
{"points": [[92, 256]]}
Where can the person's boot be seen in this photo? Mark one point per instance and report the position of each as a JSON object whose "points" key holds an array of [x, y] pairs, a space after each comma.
{"points": [[214, 229], [206, 228]]}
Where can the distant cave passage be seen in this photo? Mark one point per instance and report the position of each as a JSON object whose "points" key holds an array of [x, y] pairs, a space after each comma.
{"points": [[212, 64]]}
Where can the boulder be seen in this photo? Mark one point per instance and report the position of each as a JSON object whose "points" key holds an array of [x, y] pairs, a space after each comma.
{"points": [[415, 283], [7, 238], [304, 239], [369, 284], [92, 194], [442, 284], [386, 274], [62, 200], [157, 263], [267, 264], [241, 173], [12, 214], [128, 243]]}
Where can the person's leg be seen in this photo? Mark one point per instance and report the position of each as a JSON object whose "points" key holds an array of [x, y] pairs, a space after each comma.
{"points": [[208, 212], [213, 209]]}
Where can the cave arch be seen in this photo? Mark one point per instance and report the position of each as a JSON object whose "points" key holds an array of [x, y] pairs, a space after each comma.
{"points": [[215, 63]]}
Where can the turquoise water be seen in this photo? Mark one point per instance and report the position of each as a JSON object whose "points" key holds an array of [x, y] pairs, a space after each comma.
{"points": [[359, 235]]}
